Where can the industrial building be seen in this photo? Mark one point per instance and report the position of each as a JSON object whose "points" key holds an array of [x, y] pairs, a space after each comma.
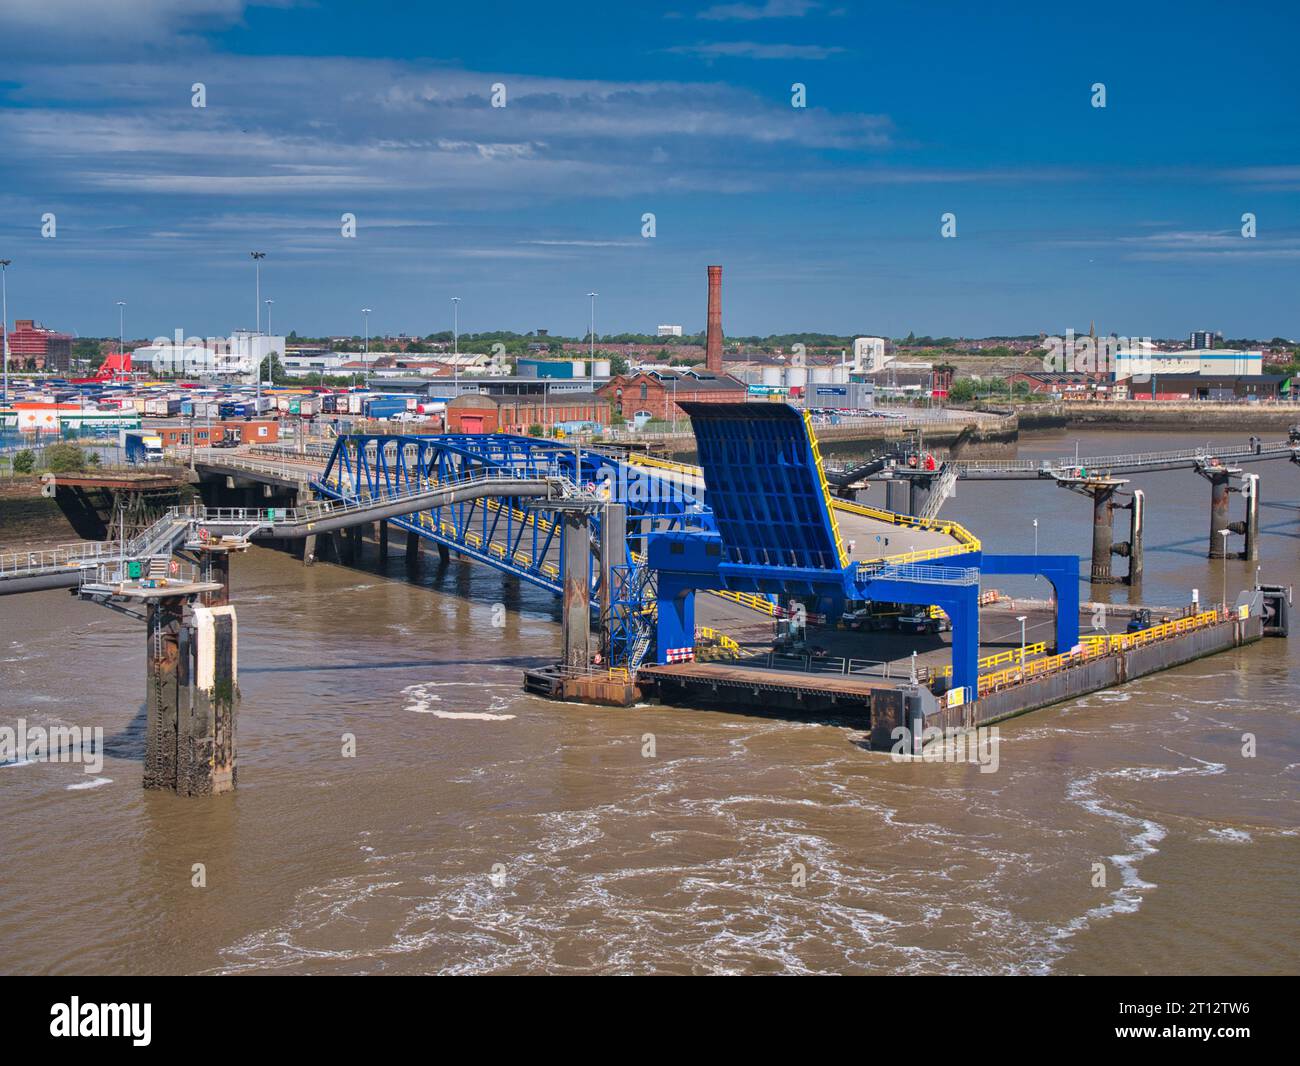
{"points": [[35, 346], [1240, 388], [655, 394], [481, 413], [1145, 361], [236, 356]]}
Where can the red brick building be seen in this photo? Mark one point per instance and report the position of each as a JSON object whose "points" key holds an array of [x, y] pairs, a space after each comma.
{"points": [[31, 344], [476, 412], [259, 431], [656, 392]]}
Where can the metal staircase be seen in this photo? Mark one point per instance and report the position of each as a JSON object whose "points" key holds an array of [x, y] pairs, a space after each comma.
{"points": [[940, 490]]}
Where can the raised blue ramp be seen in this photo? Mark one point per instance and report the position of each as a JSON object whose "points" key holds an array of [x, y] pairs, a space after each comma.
{"points": [[766, 487]]}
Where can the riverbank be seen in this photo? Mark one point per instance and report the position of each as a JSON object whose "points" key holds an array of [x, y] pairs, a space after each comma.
{"points": [[28, 520], [1192, 417]]}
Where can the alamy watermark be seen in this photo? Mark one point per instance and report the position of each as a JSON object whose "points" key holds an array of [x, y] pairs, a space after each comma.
{"points": [[60, 743], [1125, 357], [979, 746]]}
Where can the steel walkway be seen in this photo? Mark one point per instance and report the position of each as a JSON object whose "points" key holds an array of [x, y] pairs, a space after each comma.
{"points": [[67, 566]]}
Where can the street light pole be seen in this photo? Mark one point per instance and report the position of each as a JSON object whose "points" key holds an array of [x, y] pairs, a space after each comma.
{"points": [[455, 341], [257, 315], [270, 380], [592, 368], [121, 330], [4, 319], [1021, 619], [1035, 536], [365, 356]]}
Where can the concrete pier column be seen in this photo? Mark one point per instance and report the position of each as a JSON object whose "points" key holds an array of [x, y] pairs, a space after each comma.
{"points": [[192, 695], [576, 582], [412, 549], [309, 549], [1219, 487], [613, 537], [898, 495], [206, 734], [922, 485], [1103, 537], [444, 554], [1250, 492], [1136, 528], [349, 543], [383, 541], [167, 688]]}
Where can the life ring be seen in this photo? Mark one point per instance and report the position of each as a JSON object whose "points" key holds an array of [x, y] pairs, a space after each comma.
{"points": [[174, 568], [204, 535]]}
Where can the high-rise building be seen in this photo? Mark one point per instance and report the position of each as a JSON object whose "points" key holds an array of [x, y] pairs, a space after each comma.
{"points": [[1202, 338], [670, 331], [30, 340]]}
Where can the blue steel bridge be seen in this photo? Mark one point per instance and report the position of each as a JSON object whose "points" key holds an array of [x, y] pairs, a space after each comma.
{"points": [[756, 523]]}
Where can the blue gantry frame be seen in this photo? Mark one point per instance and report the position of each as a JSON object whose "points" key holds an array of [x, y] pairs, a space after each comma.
{"points": [[761, 466]]}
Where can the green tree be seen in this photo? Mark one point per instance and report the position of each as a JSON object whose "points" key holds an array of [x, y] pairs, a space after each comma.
{"points": [[962, 391], [273, 370], [25, 461], [66, 457]]}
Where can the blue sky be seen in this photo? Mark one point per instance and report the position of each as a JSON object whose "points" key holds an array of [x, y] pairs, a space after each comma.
{"points": [[825, 217]]}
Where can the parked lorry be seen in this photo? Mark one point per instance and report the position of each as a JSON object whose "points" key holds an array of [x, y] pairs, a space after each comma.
{"points": [[140, 446]]}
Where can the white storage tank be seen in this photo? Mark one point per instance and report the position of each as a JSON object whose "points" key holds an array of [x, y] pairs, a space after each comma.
{"points": [[796, 377], [602, 368], [772, 375], [579, 368], [840, 373], [821, 375]]}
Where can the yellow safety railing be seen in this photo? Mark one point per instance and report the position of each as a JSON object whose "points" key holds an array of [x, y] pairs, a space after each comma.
{"points": [[841, 552], [726, 643], [1096, 645], [747, 599], [1124, 641], [666, 464], [1011, 655]]}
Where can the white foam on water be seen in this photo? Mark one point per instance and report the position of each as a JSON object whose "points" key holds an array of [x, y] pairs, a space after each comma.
{"points": [[1232, 836], [94, 782], [479, 716], [1143, 837], [420, 701]]}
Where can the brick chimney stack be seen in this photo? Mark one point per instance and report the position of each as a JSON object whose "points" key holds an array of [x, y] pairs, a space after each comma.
{"points": [[713, 341]]}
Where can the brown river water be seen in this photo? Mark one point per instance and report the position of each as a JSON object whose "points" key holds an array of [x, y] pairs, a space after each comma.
{"points": [[480, 830]]}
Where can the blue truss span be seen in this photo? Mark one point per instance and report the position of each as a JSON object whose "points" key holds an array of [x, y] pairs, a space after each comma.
{"points": [[520, 536]]}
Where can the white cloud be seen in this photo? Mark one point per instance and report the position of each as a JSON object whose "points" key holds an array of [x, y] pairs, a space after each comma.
{"points": [[755, 50], [772, 9], [81, 26]]}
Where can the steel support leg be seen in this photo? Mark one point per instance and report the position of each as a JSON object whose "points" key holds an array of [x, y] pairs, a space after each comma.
{"points": [[613, 536], [1136, 528], [576, 581], [1250, 490], [1103, 537], [1218, 513]]}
